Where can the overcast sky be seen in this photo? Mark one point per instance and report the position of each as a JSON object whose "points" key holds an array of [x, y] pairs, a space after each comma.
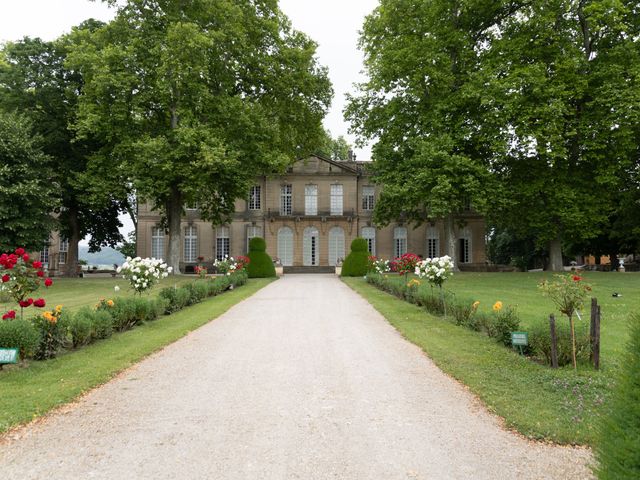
{"points": [[333, 24]]}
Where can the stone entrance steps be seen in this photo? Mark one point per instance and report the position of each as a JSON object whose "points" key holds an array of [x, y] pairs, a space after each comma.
{"points": [[309, 270]]}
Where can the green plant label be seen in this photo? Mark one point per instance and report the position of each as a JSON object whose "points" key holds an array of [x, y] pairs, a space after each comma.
{"points": [[8, 355], [519, 338]]}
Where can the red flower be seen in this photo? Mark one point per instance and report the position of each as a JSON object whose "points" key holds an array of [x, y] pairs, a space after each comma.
{"points": [[10, 315], [5, 278], [19, 251], [48, 282], [39, 303], [25, 257], [576, 278], [24, 303], [37, 264], [40, 273]]}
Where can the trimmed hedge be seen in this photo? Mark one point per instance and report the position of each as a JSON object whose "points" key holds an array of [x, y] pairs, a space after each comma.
{"points": [[357, 262], [20, 334], [618, 449], [260, 263]]}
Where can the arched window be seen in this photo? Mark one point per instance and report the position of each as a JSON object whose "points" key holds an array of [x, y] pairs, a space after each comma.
{"points": [[464, 245], [285, 246], [311, 247], [223, 244], [190, 244], [157, 243], [369, 234], [336, 245], [433, 242], [399, 241]]}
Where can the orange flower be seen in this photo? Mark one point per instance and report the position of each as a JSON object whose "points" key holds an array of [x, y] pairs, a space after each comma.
{"points": [[497, 306], [110, 303]]}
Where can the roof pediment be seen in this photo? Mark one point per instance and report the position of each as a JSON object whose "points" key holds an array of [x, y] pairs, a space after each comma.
{"points": [[316, 164]]}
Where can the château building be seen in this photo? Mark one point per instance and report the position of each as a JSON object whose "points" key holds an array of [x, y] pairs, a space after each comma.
{"points": [[308, 217]]}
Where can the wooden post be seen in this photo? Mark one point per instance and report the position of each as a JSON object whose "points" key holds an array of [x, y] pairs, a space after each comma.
{"points": [[596, 343], [554, 342], [592, 329]]}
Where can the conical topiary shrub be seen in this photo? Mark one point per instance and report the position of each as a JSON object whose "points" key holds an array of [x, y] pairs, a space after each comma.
{"points": [[355, 265], [618, 449], [260, 263]]}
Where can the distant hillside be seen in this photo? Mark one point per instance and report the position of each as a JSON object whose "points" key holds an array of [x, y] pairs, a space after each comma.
{"points": [[106, 256]]}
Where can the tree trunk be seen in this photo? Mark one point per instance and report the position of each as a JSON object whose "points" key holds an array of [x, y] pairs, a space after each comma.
{"points": [[452, 244], [71, 267], [615, 263], [555, 255], [174, 217]]}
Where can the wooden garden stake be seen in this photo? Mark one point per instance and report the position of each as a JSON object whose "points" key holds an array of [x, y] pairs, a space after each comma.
{"points": [[554, 342]]}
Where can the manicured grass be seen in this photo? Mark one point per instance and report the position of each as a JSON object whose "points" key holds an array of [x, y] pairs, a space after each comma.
{"points": [[558, 405], [30, 392], [78, 292]]}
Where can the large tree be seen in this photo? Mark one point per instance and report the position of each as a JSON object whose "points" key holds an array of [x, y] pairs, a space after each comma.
{"points": [[27, 190], [36, 81], [421, 107], [561, 101], [194, 99]]}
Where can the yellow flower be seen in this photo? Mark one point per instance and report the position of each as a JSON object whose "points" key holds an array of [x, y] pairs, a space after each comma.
{"points": [[413, 282], [497, 306], [475, 305], [48, 316], [58, 308], [110, 303]]}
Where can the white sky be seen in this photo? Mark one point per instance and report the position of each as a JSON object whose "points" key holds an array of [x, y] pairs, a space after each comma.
{"points": [[333, 24]]}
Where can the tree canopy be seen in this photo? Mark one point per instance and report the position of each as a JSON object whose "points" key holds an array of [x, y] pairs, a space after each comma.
{"points": [[193, 99]]}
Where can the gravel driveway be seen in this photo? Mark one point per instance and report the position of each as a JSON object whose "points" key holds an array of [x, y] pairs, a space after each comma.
{"points": [[304, 380]]}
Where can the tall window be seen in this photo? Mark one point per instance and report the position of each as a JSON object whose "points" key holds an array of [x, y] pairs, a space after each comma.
{"points": [[157, 242], [192, 206], [44, 253], [252, 232], [336, 199], [368, 197], [222, 243], [464, 246], [369, 234], [399, 241], [336, 245], [254, 198], [190, 244], [64, 250], [433, 242], [286, 200], [311, 200]]}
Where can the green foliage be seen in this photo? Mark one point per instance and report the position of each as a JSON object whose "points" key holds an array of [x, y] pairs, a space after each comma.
{"points": [[334, 148], [540, 342], [176, 298], [79, 327], [619, 442], [128, 246], [102, 323], [197, 292], [52, 335], [260, 263], [20, 334], [26, 193], [357, 262], [500, 324], [216, 103]]}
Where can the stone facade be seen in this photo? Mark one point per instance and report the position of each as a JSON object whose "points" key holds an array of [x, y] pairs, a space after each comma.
{"points": [[308, 217]]}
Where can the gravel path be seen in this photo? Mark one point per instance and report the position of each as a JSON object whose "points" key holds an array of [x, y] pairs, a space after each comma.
{"points": [[305, 380]]}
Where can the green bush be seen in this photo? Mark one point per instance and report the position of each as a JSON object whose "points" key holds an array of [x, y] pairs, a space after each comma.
{"points": [[540, 341], [175, 298], [357, 262], [499, 325], [52, 336], [102, 324], [260, 263], [19, 334], [79, 327], [198, 291], [618, 448]]}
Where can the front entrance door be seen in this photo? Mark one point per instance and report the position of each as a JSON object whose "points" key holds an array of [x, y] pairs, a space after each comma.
{"points": [[311, 247]]}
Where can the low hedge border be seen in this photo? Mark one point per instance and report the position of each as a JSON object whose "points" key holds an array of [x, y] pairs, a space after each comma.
{"points": [[85, 326]]}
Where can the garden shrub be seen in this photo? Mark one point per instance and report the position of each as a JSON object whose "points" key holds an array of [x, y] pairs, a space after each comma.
{"points": [[20, 334], [79, 327], [463, 313], [52, 335], [260, 263], [618, 448], [357, 262], [175, 298], [102, 324], [540, 342], [198, 291], [124, 314], [500, 324]]}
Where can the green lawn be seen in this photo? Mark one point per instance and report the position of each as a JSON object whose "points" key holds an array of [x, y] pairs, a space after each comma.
{"points": [[30, 392], [77, 292], [561, 406]]}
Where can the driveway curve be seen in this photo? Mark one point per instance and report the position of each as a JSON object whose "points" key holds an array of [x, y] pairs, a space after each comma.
{"points": [[304, 380]]}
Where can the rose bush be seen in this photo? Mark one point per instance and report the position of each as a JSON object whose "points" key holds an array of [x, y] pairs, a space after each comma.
{"points": [[21, 277], [143, 273], [436, 270]]}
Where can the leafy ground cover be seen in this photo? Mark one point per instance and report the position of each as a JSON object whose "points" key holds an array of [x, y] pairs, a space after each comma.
{"points": [[30, 392], [558, 405]]}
